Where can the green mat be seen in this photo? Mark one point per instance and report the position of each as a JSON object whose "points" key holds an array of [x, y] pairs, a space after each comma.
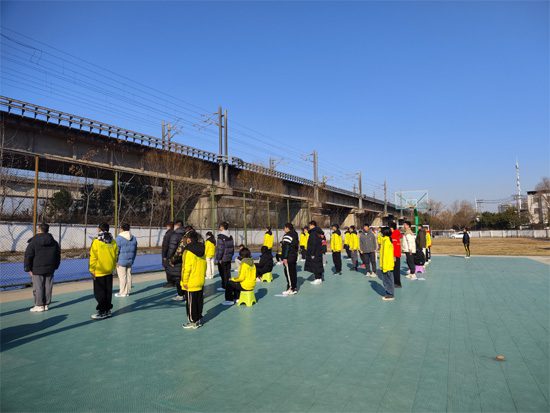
{"points": [[332, 348]]}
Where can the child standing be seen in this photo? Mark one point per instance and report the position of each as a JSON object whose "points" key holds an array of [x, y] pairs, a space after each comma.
{"points": [[303, 242], [210, 253], [103, 256], [127, 250], [192, 279], [336, 248], [387, 263], [354, 247], [268, 239]]}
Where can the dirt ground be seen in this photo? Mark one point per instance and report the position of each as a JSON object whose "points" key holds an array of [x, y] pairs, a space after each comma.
{"points": [[493, 246]]}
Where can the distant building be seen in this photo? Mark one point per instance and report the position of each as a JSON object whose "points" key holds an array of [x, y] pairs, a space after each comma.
{"points": [[538, 205], [504, 206]]}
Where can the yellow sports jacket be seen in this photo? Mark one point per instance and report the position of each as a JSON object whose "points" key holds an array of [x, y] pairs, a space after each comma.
{"points": [[303, 239], [346, 238], [247, 274], [193, 272], [353, 241], [386, 254], [428, 240], [336, 242], [268, 240], [103, 257], [210, 247]]}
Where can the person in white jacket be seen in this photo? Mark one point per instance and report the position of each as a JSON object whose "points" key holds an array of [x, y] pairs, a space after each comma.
{"points": [[408, 246]]}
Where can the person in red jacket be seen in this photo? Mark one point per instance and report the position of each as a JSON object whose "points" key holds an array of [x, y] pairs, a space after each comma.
{"points": [[396, 241]]}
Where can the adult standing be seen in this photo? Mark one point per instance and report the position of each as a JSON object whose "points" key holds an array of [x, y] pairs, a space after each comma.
{"points": [[225, 248], [42, 258], [408, 246], [175, 261], [165, 242], [466, 242], [336, 248], [396, 242], [127, 250], [314, 253], [367, 248], [290, 258]]}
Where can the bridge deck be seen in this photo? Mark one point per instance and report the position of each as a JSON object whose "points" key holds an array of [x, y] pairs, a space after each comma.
{"points": [[335, 347]]}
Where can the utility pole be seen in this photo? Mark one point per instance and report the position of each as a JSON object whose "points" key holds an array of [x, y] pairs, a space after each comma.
{"points": [[518, 185], [315, 178], [220, 149], [360, 191], [271, 163], [226, 172], [385, 198], [163, 135]]}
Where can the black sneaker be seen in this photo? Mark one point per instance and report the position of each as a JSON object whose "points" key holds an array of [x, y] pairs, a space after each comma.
{"points": [[108, 314], [99, 316]]}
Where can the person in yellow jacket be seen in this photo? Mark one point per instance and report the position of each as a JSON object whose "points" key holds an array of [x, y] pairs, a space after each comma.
{"points": [[245, 281], [193, 274], [428, 246], [347, 233], [210, 253], [353, 242], [268, 239], [304, 236], [336, 248], [103, 256], [387, 263]]}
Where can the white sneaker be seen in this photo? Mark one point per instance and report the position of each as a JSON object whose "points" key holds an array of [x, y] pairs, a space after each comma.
{"points": [[372, 275], [46, 308], [292, 292], [228, 303], [408, 272], [177, 298], [285, 293], [278, 263], [37, 309], [119, 295], [316, 281], [220, 289], [413, 277]]}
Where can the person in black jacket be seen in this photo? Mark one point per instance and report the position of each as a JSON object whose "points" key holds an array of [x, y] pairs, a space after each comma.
{"points": [[289, 254], [42, 258], [266, 263], [314, 257], [466, 242], [173, 270], [164, 252], [225, 248]]}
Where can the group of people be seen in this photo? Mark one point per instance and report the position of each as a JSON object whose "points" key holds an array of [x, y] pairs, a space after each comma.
{"points": [[189, 260]]}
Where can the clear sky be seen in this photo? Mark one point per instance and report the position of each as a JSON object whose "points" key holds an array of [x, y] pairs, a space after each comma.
{"points": [[433, 95]]}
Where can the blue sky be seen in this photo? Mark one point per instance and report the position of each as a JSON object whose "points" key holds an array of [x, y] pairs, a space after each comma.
{"points": [[440, 96]]}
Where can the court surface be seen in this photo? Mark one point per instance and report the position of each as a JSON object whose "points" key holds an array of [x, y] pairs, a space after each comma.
{"points": [[332, 348]]}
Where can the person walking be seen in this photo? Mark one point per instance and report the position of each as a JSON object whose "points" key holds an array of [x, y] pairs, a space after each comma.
{"points": [[387, 263], [210, 253], [367, 248], [175, 259], [336, 248], [127, 250], [408, 246], [225, 248], [346, 242], [396, 242], [42, 258], [164, 253], [466, 242], [103, 256], [290, 258], [314, 257], [268, 239], [192, 279], [354, 247], [304, 235]]}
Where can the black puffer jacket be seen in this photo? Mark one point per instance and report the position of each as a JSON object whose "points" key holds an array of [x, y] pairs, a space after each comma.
{"points": [[314, 252], [266, 263], [42, 255], [174, 268], [165, 243], [225, 247]]}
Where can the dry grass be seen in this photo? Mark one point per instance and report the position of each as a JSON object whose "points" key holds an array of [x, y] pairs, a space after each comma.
{"points": [[493, 246]]}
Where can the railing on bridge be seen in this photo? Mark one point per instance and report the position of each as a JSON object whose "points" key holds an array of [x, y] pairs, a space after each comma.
{"points": [[48, 115]]}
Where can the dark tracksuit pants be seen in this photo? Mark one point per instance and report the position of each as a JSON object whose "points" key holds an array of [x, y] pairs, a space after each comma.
{"points": [[348, 252], [193, 305], [291, 275], [337, 259], [428, 254], [103, 292], [410, 262], [303, 252], [224, 268], [397, 271], [369, 259], [233, 291]]}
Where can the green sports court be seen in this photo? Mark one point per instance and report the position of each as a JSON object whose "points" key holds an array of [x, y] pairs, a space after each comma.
{"points": [[332, 348]]}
